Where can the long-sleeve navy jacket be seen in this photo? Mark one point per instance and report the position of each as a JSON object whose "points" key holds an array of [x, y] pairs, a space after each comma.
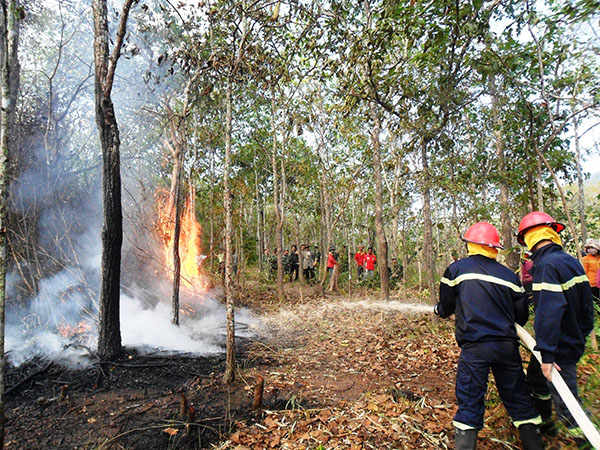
{"points": [[564, 307], [486, 297]]}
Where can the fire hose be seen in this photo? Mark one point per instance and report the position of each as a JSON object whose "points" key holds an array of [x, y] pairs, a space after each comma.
{"points": [[586, 425]]}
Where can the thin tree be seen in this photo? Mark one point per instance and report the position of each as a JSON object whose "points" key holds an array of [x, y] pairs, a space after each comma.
{"points": [[105, 62], [10, 15]]}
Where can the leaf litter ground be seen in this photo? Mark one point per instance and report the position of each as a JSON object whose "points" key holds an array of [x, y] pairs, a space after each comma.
{"points": [[338, 374]]}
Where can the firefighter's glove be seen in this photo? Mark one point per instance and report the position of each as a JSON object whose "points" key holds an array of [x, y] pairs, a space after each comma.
{"points": [[435, 310]]}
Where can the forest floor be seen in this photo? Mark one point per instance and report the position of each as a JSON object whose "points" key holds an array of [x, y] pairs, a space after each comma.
{"points": [[339, 371]]}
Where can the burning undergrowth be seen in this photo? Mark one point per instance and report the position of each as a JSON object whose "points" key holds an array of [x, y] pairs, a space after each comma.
{"points": [[60, 322]]}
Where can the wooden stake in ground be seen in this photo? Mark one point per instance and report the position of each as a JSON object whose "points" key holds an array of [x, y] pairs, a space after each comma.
{"points": [[183, 406], [258, 392]]}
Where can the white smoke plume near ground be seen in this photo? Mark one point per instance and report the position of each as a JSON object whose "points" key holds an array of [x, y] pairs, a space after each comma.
{"points": [[60, 323]]}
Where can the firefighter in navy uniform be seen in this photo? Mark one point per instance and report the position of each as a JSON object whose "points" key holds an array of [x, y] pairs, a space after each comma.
{"points": [[487, 299], [564, 317]]}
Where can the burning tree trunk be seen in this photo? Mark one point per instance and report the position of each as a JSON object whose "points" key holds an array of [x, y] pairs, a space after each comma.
{"points": [[10, 14], [109, 331], [178, 180], [178, 127]]}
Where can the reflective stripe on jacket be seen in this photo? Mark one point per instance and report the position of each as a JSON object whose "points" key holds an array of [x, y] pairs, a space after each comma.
{"points": [[564, 309], [486, 297]]}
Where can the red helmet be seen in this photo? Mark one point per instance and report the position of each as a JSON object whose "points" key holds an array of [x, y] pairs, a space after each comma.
{"points": [[482, 233], [535, 219]]}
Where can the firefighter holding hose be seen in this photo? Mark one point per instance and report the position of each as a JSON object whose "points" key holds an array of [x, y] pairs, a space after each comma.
{"points": [[564, 316], [487, 299]]}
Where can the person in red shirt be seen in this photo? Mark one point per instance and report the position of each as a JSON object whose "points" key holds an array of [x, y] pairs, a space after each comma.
{"points": [[359, 257], [370, 261], [331, 261]]}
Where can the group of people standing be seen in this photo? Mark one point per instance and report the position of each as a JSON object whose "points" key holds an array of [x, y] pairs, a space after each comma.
{"points": [[366, 262], [293, 260], [487, 299]]}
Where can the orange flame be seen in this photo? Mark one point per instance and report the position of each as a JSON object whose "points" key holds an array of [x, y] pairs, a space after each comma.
{"points": [[67, 330], [189, 238]]}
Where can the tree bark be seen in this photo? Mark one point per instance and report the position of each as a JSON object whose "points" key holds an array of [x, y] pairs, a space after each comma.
{"points": [[581, 189], [109, 331], [382, 260], [277, 203], [9, 88], [428, 257], [512, 258], [229, 375], [178, 125], [177, 194]]}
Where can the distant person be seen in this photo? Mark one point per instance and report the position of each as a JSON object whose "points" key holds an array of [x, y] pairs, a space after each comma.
{"points": [[564, 317], [294, 263], [331, 261], [487, 299], [316, 254], [308, 264], [234, 260], [285, 261], [370, 261], [359, 258], [396, 270], [526, 276], [273, 265], [591, 264]]}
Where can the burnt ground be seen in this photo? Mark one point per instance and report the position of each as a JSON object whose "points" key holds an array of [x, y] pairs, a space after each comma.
{"points": [[337, 375]]}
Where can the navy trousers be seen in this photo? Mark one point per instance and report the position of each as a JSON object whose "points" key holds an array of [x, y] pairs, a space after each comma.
{"points": [[474, 364], [540, 387]]}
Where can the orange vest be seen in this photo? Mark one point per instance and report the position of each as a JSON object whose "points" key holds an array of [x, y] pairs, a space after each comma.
{"points": [[591, 264]]}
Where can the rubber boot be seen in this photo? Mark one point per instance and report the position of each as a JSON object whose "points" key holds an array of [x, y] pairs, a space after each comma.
{"points": [[582, 443], [465, 439], [531, 439], [544, 407]]}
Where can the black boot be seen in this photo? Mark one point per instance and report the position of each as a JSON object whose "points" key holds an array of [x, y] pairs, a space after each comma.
{"points": [[465, 439], [544, 407], [531, 438], [582, 443]]}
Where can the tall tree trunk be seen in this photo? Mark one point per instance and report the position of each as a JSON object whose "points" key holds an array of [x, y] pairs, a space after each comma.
{"points": [[9, 88], [109, 330], [177, 194], [277, 202], [178, 125], [394, 198], [376, 149], [512, 258], [211, 196], [428, 257], [229, 375], [581, 189], [260, 249], [382, 259], [540, 190]]}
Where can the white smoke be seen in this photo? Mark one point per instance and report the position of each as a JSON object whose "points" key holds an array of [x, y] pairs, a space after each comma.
{"points": [[145, 327]]}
